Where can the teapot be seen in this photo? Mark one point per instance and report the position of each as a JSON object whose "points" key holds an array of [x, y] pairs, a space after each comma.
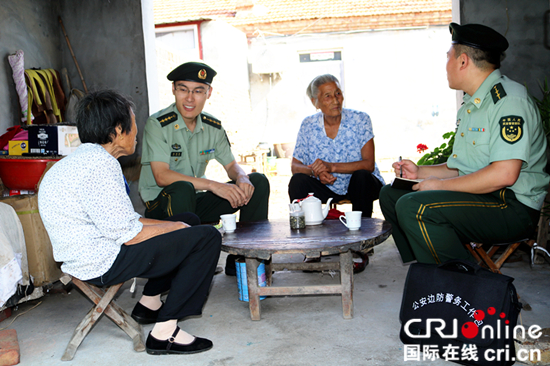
{"points": [[313, 211]]}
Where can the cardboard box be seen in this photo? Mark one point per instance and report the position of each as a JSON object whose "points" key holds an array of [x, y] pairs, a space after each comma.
{"points": [[42, 267], [18, 147], [53, 139]]}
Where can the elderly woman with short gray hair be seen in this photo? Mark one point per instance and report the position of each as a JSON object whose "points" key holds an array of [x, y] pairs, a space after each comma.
{"points": [[334, 153], [100, 239]]}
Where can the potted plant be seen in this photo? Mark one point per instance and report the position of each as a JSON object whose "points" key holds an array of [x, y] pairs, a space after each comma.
{"points": [[440, 154]]}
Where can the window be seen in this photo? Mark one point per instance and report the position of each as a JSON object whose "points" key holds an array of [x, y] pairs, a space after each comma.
{"points": [[182, 40], [321, 56]]}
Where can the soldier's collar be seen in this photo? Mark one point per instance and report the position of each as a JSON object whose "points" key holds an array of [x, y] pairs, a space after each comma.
{"points": [[484, 89], [199, 127]]}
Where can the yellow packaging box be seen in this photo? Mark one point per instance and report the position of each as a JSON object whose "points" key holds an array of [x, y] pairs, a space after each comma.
{"points": [[18, 147]]}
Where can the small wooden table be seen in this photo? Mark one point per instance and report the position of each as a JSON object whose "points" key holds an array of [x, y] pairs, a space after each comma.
{"points": [[259, 240]]}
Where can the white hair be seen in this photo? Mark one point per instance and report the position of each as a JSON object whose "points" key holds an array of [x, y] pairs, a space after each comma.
{"points": [[313, 87]]}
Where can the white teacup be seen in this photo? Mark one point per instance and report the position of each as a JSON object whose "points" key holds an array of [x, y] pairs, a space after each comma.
{"points": [[229, 222], [352, 220]]}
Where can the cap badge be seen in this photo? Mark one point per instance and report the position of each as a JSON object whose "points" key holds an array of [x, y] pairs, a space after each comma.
{"points": [[202, 74]]}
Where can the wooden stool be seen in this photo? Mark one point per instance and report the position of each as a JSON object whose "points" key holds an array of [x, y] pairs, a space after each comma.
{"points": [[485, 257], [104, 303], [541, 234], [342, 202]]}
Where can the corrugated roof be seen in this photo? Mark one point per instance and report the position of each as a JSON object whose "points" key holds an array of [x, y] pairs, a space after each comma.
{"points": [[246, 13]]}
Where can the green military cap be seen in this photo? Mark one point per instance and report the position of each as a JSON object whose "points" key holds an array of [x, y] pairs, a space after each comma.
{"points": [[478, 36], [193, 71]]}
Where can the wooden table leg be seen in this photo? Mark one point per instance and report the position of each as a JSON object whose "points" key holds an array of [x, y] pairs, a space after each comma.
{"points": [[269, 271], [252, 279], [346, 280]]}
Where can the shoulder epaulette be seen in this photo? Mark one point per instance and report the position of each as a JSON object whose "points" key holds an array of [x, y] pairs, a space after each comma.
{"points": [[211, 121], [168, 118], [497, 92]]}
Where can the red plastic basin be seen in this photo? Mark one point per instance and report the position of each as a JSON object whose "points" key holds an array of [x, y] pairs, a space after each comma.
{"points": [[22, 173]]}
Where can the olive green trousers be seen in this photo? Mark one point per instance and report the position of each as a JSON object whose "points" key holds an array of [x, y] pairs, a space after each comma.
{"points": [[433, 226], [180, 197]]}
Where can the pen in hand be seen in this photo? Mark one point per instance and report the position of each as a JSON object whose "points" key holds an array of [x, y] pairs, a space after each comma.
{"points": [[400, 168]]}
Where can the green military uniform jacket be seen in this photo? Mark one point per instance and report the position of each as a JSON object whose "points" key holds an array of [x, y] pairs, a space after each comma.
{"points": [[501, 122], [167, 139]]}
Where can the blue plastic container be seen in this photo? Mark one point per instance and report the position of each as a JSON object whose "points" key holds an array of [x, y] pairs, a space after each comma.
{"points": [[242, 279]]}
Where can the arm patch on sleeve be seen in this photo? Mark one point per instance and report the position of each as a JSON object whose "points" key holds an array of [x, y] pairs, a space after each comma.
{"points": [[511, 128], [497, 92]]}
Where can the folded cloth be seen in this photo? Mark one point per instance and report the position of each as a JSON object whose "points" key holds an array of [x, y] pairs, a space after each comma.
{"points": [[8, 136], [334, 214], [14, 268], [22, 135]]}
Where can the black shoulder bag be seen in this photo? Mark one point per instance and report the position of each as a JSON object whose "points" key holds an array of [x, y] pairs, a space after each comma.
{"points": [[459, 312]]}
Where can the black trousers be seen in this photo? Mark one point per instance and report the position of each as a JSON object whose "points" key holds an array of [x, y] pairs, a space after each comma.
{"points": [[182, 261], [181, 197], [363, 190]]}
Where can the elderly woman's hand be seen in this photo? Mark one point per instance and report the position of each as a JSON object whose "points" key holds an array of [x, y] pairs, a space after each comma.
{"points": [[319, 166], [152, 228], [327, 178]]}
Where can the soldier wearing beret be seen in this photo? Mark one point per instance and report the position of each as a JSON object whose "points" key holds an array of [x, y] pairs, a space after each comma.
{"points": [[178, 143], [493, 185]]}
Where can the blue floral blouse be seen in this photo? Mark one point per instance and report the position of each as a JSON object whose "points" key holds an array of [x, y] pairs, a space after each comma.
{"points": [[313, 143]]}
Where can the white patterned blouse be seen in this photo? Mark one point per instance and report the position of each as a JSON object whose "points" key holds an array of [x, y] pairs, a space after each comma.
{"points": [[85, 208]]}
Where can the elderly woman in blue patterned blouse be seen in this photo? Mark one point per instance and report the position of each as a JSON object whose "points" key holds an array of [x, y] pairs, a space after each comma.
{"points": [[99, 237], [334, 153]]}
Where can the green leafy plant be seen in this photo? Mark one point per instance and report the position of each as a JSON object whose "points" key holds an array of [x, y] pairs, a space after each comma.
{"points": [[440, 154]]}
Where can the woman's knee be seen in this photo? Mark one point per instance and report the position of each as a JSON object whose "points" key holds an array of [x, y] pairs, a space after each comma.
{"points": [[361, 175], [298, 180], [210, 235]]}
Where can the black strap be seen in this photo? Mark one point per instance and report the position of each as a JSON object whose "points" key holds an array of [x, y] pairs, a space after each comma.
{"points": [[172, 339]]}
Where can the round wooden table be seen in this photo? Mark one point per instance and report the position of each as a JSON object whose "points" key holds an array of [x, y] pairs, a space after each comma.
{"points": [[260, 240]]}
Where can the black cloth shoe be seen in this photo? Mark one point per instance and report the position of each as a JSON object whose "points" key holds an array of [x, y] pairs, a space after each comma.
{"points": [[230, 268], [144, 315], [167, 347]]}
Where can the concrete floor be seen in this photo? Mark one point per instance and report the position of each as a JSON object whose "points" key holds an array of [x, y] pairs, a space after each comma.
{"points": [[297, 330]]}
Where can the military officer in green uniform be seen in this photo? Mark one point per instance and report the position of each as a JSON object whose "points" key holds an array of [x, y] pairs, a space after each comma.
{"points": [[178, 143], [493, 185]]}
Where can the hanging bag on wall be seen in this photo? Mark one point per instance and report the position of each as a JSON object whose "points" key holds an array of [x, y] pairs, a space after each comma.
{"points": [[459, 312]]}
